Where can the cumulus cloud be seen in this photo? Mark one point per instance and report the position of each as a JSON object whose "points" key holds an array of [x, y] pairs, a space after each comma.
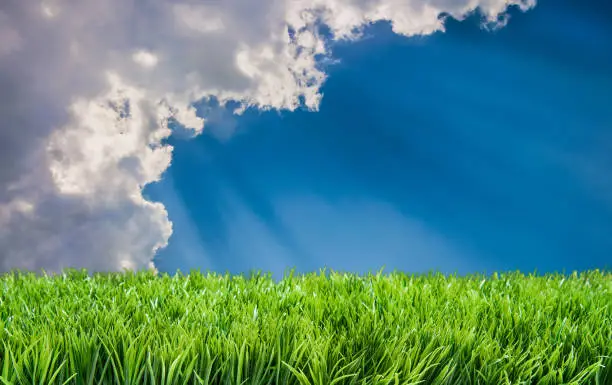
{"points": [[87, 89]]}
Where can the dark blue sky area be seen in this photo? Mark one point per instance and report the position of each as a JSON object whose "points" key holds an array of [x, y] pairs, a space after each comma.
{"points": [[460, 152]]}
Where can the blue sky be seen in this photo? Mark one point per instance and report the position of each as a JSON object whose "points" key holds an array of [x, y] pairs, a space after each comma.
{"points": [[464, 151]]}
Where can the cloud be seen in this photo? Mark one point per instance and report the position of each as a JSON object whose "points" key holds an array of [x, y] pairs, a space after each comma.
{"points": [[87, 89]]}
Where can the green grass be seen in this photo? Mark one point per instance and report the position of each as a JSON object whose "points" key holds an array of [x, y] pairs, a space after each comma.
{"points": [[323, 329]]}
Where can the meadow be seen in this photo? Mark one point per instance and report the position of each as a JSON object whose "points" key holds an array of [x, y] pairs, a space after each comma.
{"points": [[320, 329]]}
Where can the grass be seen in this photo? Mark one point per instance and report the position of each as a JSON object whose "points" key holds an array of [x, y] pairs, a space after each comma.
{"points": [[326, 329]]}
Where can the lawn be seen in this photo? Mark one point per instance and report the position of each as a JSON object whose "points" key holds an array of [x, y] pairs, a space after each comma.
{"points": [[324, 329]]}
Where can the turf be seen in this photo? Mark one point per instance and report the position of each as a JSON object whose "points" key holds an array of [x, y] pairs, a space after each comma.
{"points": [[325, 329]]}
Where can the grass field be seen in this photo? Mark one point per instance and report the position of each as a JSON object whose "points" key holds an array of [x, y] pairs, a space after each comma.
{"points": [[324, 329]]}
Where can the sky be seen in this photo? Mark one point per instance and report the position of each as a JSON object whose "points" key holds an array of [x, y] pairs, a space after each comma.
{"points": [[451, 135]]}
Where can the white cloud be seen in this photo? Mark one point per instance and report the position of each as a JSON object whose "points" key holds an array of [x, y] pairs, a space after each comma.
{"points": [[198, 18], [145, 58], [82, 120]]}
